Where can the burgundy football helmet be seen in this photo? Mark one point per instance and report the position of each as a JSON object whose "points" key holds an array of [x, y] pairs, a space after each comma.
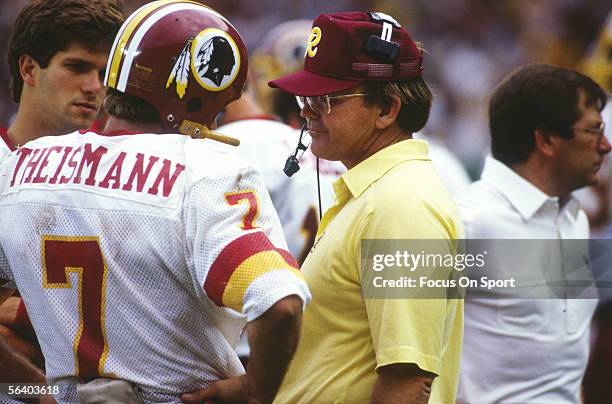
{"points": [[183, 58]]}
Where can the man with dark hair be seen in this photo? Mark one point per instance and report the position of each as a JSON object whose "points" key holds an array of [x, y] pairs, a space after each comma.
{"points": [[363, 97], [57, 55], [546, 98], [148, 251], [547, 140]]}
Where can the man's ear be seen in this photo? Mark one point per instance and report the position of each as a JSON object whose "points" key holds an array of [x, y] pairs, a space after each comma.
{"points": [[27, 69], [387, 116], [545, 142]]}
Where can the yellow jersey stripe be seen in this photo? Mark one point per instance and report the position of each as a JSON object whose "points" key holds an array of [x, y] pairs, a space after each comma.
{"points": [[248, 271]]}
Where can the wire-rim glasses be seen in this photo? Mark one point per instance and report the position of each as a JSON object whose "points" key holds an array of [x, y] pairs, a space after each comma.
{"points": [[322, 103], [599, 131]]}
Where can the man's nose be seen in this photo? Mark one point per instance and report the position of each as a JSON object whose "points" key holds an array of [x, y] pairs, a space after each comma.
{"points": [[604, 146], [92, 83], [307, 112]]}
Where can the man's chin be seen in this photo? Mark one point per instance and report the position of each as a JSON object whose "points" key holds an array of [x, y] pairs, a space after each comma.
{"points": [[592, 181], [319, 150], [81, 123]]}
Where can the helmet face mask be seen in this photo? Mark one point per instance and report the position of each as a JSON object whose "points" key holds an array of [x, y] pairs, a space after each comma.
{"points": [[182, 57]]}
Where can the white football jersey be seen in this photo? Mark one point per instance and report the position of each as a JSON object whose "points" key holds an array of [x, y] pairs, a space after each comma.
{"points": [[140, 257], [5, 151], [5, 144], [267, 144]]}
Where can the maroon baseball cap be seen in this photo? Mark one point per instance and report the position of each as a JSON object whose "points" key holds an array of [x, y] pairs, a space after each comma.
{"points": [[346, 49]]}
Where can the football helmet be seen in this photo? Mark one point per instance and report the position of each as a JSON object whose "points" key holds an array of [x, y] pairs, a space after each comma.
{"points": [[183, 58], [281, 52]]}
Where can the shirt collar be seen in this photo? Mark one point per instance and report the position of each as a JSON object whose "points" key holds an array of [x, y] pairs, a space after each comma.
{"points": [[5, 138], [526, 198], [359, 178], [119, 132]]}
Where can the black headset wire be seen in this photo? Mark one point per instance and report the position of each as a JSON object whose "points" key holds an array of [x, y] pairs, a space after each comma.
{"points": [[319, 192], [292, 165]]}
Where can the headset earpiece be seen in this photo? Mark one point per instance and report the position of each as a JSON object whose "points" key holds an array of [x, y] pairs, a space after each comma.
{"points": [[380, 49]]}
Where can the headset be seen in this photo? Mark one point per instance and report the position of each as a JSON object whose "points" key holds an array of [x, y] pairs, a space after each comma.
{"points": [[381, 48], [292, 164]]}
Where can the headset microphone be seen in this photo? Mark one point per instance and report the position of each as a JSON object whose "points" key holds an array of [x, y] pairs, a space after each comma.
{"points": [[292, 165]]}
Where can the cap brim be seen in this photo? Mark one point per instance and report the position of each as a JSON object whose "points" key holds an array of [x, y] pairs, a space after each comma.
{"points": [[309, 84]]}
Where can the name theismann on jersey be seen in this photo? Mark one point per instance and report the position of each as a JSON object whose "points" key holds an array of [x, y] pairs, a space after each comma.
{"points": [[91, 165]]}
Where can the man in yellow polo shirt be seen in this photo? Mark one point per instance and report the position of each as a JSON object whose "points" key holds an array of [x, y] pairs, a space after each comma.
{"points": [[363, 96]]}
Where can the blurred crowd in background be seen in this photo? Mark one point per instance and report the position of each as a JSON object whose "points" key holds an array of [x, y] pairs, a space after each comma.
{"points": [[471, 45]]}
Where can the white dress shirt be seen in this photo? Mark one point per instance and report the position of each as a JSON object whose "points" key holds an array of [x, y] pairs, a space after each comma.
{"points": [[516, 349]]}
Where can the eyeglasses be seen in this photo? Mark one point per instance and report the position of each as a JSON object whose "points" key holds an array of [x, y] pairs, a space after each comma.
{"points": [[600, 131], [322, 104]]}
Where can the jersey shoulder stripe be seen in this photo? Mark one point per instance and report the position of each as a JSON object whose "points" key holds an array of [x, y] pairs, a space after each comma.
{"points": [[239, 263]]}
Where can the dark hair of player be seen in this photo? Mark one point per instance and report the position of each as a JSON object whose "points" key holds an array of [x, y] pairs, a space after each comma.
{"points": [[45, 27]]}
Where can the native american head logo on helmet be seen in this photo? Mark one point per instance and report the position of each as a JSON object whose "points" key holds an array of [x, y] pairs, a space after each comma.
{"points": [[212, 57], [216, 59]]}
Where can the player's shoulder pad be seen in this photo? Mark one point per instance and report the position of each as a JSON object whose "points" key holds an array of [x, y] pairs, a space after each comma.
{"points": [[261, 131], [210, 159]]}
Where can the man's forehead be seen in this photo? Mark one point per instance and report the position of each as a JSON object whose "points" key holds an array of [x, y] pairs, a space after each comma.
{"points": [[357, 89], [83, 50], [588, 113], [79, 52], [588, 100]]}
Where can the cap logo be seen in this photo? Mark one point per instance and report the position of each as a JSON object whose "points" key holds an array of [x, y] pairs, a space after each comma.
{"points": [[212, 56], [313, 41]]}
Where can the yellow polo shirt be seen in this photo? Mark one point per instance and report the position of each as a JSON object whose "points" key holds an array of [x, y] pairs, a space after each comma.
{"points": [[394, 194]]}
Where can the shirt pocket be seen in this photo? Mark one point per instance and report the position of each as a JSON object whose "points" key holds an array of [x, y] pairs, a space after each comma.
{"points": [[524, 316]]}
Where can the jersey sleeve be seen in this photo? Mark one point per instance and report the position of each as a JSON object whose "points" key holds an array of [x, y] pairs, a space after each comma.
{"points": [[6, 276], [5, 272], [239, 255]]}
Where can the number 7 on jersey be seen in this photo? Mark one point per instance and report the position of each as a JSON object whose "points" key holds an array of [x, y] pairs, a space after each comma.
{"points": [[250, 198], [62, 256]]}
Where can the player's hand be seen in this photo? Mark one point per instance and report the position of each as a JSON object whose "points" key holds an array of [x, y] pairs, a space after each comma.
{"points": [[5, 293], [18, 332], [45, 399], [14, 316], [24, 347], [8, 310], [230, 391]]}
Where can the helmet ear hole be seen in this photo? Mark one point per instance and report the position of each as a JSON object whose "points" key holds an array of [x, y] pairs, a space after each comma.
{"points": [[194, 104]]}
